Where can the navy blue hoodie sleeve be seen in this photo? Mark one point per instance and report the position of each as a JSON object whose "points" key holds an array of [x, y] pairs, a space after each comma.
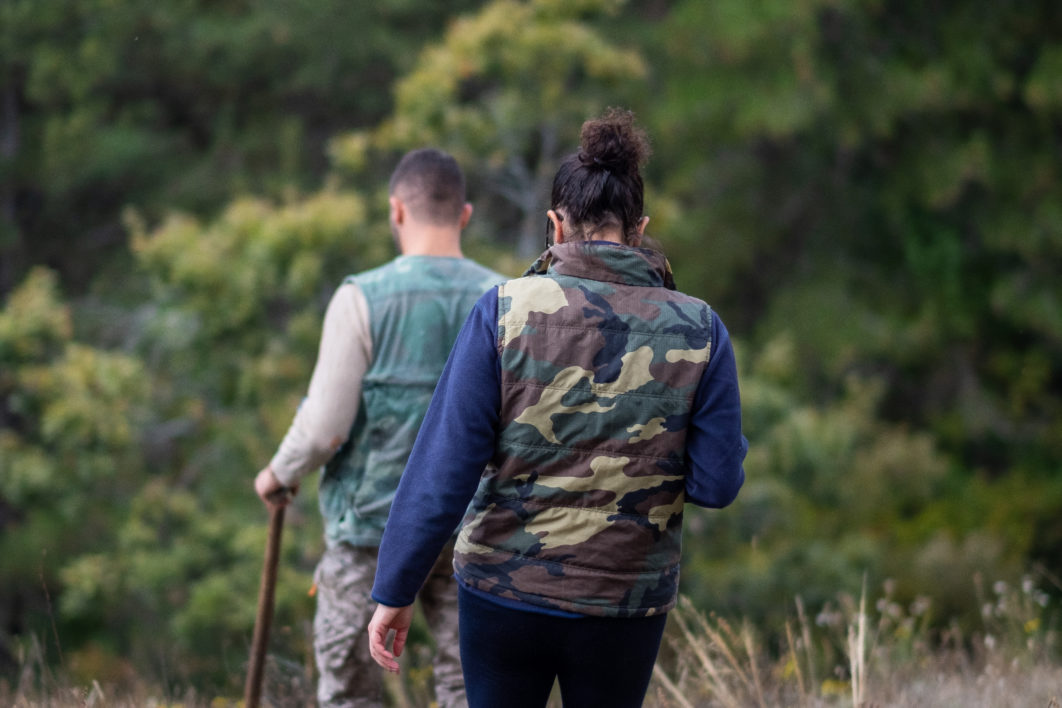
{"points": [[715, 447], [455, 442]]}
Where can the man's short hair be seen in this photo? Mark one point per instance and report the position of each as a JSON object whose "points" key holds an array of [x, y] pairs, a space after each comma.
{"points": [[431, 184]]}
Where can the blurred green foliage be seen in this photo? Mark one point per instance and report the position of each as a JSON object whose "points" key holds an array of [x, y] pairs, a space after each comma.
{"points": [[180, 105], [505, 91], [868, 193]]}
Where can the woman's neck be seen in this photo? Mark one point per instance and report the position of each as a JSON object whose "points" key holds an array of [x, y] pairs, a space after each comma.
{"points": [[612, 234]]}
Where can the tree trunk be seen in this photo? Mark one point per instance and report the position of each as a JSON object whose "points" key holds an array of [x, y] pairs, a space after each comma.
{"points": [[533, 223], [9, 141]]}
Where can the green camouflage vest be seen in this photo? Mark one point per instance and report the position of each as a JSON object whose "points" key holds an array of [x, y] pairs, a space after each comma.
{"points": [[417, 305], [580, 509]]}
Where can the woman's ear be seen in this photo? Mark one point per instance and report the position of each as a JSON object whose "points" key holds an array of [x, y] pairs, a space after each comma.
{"points": [[635, 239], [558, 225]]}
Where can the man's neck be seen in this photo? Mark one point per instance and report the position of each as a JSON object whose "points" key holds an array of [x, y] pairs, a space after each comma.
{"points": [[442, 242]]}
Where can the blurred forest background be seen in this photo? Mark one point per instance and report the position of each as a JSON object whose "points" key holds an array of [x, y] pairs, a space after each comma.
{"points": [[869, 192]]}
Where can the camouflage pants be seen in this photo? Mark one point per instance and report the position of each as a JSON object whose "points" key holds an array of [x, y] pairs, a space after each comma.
{"points": [[349, 678]]}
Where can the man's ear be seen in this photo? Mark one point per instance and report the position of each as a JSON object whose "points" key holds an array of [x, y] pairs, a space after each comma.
{"points": [[466, 214], [398, 210]]}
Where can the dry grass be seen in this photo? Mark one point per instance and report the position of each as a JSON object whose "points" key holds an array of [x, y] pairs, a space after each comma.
{"points": [[846, 655], [850, 656]]}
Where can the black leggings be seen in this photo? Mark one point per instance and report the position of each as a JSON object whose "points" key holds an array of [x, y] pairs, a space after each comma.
{"points": [[511, 657]]}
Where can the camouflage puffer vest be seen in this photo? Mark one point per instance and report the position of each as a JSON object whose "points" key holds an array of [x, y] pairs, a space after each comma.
{"points": [[580, 509], [417, 305]]}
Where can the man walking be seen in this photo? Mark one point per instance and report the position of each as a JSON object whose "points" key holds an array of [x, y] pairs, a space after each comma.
{"points": [[387, 334]]}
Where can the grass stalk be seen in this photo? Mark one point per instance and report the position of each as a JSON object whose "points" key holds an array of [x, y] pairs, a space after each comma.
{"points": [[676, 694], [754, 670], [857, 646], [716, 683], [795, 659], [805, 632], [723, 644]]}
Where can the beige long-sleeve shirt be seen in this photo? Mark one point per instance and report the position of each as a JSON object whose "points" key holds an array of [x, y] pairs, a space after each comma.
{"points": [[323, 420]]}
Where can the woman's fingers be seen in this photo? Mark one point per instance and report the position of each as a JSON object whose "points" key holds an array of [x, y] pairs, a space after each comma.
{"points": [[385, 620]]}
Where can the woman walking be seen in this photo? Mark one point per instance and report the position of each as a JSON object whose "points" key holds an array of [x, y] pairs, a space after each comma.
{"points": [[583, 404]]}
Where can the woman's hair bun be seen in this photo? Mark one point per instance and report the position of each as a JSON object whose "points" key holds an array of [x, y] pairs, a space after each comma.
{"points": [[613, 142]]}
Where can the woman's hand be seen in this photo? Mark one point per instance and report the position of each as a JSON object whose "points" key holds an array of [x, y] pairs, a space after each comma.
{"points": [[383, 621]]}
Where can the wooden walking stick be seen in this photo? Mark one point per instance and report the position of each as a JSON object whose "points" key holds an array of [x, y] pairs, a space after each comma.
{"points": [[252, 690]]}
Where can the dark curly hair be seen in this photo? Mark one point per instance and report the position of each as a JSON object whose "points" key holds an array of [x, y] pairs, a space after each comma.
{"points": [[601, 185]]}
